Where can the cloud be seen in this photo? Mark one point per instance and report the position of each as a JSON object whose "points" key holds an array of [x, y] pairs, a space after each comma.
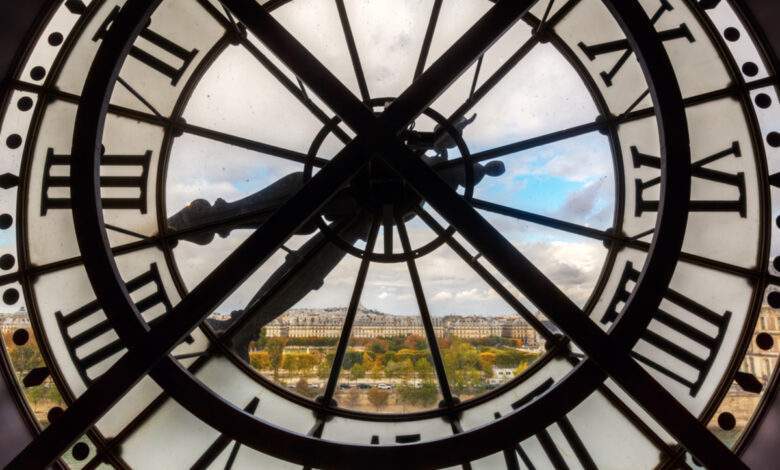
{"points": [[443, 295]]}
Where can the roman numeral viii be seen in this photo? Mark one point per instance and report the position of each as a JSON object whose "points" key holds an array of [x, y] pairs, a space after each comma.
{"points": [[170, 59], [692, 368], [621, 45], [118, 192], [89, 337], [698, 170]]}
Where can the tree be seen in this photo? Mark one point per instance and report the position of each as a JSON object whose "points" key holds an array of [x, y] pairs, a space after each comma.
{"points": [[486, 362], [393, 369], [323, 368], [307, 361], [423, 369], [378, 346], [415, 342], [357, 372], [378, 398], [261, 341], [407, 368], [352, 397], [521, 368], [290, 363], [351, 358], [302, 387], [260, 360], [462, 365], [275, 348], [423, 396], [377, 371]]}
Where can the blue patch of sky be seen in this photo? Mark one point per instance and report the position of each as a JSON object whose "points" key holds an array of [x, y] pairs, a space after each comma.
{"points": [[570, 180]]}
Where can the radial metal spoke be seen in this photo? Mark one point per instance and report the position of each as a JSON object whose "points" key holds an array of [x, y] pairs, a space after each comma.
{"points": [[525, 144], [426, 45], [430, 333], [482, 271], [546, 221], [611, 237], [253, 145], [387, 231], [353, 52], [349, 319], [139, 97], [522, 52], [279, 281], [294, 89], [411, 103]]}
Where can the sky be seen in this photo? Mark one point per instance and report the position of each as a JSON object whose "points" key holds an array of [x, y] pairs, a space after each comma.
{"points": [[572, 180]]}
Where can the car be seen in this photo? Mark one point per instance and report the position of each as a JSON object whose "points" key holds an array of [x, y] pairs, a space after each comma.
{"points": [[314, 385], [384, 386], [345, 386], [363, 386]]}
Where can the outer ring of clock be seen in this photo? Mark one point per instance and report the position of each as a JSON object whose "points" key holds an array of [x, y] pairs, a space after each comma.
{"points": [[202, 402]]}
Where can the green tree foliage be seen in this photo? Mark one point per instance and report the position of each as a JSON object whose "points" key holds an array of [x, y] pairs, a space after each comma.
{"points": [[275, 347], [492, 341], [486, 362], [351, 358], [261, 341], [423, 396], [462, 365], [423, 369], [314, 341], [357, 372]]}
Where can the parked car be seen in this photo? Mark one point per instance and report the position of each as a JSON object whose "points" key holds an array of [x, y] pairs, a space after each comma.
{"points": [[363, 386], [344, 386], [384, 386], [314, 385]]}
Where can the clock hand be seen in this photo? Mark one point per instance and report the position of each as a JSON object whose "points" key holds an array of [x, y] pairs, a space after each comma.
{"points": [[200, 211], [302, 272]]}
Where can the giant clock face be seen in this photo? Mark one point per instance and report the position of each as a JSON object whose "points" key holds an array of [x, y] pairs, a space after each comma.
{"points": [[389, 233]]}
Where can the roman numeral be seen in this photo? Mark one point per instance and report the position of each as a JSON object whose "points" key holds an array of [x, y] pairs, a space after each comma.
{"points": [[181, 56], [698, 170], [551, 450], [622, 45], [88, 347], [698, 314], [118, 192], [221, 443]]}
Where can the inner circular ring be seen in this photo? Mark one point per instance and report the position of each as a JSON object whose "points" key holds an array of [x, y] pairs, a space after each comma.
{"points": [[408, 200], [265, 437]]}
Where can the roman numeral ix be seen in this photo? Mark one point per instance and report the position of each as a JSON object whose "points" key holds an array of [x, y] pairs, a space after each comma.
{"points": [[118, 192]]}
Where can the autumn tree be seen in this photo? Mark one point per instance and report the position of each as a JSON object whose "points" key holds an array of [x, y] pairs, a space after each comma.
{"points": [[378, 398], [378, 346], [415, 342], [260, 360]]}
